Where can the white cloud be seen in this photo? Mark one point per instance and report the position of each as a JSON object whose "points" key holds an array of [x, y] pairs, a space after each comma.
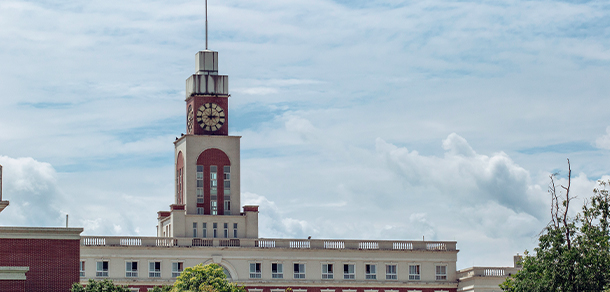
{"points": [[603, 141], [31, 188]]}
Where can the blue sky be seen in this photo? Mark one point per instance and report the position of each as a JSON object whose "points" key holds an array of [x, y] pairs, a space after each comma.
{"points": [[359, 119]]}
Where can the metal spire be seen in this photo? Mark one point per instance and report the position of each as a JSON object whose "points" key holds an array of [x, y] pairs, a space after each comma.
{"points": [[206, 24]]}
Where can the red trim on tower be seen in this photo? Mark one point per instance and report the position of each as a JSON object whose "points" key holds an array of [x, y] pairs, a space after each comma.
{"points": [[179, 179], [213, 156]]}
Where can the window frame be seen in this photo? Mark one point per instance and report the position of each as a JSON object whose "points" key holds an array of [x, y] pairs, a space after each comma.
{"points": [[347, 275], [177, 272], [368, 275], [330, 273], [391, 276], [154, 273], [131, 273], [299, 274], [257, 272], [440, 276], [277, 274], [81, 269], [415, 276], [103, 273]]}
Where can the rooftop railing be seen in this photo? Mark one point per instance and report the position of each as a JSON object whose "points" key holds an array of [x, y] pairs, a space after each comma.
{"points": [[130, 241], [486, 272]]}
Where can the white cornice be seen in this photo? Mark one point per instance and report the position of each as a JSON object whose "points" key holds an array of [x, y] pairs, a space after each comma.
{"points": [[40, 233]]}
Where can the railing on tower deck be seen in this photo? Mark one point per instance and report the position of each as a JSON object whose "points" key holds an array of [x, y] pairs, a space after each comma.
{"points": [[486, 272], [128, 241]]}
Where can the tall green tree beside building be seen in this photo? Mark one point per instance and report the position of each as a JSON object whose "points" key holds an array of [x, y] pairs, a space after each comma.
{"points": [[573, 253]]}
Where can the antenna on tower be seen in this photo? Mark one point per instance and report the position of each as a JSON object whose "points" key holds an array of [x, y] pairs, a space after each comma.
{"points": [[206, 24]]}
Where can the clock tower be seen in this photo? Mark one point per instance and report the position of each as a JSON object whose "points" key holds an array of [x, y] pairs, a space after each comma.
{"points": [[207, 164]]}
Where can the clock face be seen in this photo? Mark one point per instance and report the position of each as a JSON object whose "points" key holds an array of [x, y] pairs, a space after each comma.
{"points": [[210, 116], [190, 119]]}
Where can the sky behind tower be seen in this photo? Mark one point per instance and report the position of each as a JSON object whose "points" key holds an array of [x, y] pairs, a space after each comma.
{"points": [[359, 119]]}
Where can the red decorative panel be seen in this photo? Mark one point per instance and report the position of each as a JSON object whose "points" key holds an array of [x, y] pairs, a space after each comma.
{"points": [[163, 214], [53, 263], [250, 208], [179, 179], [213, 156], [197, 101]]}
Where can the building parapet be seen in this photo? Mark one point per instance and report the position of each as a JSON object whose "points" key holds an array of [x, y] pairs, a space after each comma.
{"points": [[125, 241], [486, 272]]}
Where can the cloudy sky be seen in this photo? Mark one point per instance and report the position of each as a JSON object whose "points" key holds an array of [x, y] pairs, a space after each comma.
{"points": [[380, 119]]}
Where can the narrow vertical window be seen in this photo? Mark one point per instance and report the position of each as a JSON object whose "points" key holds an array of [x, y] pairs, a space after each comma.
{"points": [[204, 232], [227, 189], [227, 207], [226, 230], [200, 184], [82, 268], [390, 272], [234, 230], [194, 229], [215, 225], [277, 271], [370, 271], [213, 190]]}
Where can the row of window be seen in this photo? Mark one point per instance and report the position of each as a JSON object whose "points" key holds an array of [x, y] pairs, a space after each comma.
{"points": [[277, 270], [214, 234], [213, 191], [132, 269], [349, 271]]}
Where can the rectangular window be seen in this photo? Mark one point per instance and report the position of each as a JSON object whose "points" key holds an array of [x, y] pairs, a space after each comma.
{"points": [[204, 232], [215, 225], [82, 268], [194, 229], [199, 210], [154, 269], [226, 230], [214, 207], [390, 272], [213, 180], [200, 184], [131, 269], [234, 230], [441, 273], [348, 271], [299, 271], [227, 181], [277, 271], [414, 273], [327, 271], [227, 207], [102, 269], [370, 271], [255, 270], [177, 268]]}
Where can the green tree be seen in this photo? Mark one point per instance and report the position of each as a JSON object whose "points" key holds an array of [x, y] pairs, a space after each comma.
{"points": [[208, 278], [573, 253], [99, 286]]}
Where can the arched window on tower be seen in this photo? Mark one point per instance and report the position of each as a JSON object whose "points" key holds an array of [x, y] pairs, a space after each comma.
{"points": [[213, 182], [179, 179]]}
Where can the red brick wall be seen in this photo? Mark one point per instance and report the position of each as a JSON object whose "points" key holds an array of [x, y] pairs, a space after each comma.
{"points": [[54, 263], [12, 286]]}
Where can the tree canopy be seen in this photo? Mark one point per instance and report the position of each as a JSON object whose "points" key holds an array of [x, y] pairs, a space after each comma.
{"points": [[99, 286], [573, 253], [206, 278]]}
